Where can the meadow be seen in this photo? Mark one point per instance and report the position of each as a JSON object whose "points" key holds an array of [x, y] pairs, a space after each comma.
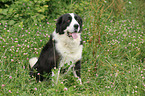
{"points": [[113, 62]]}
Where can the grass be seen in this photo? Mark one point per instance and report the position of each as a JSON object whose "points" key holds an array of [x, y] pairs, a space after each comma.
{"points": [[113, 55]]}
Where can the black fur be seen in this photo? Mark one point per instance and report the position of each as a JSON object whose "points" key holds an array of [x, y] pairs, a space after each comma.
{"points": [[77, 68], [47, 60]]}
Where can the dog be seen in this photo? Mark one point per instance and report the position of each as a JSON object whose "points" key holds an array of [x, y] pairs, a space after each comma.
{"points": [[64, 47]]}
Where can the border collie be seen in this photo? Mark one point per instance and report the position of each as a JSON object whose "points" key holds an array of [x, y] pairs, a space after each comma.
{"points": [[64, 47]]}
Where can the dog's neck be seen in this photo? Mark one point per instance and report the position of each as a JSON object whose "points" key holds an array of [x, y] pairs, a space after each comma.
{"points": [[70, 49]]}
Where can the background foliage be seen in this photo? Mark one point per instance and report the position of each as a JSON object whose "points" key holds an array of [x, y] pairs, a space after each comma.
{"points": [[32, 11], [113, 60]]}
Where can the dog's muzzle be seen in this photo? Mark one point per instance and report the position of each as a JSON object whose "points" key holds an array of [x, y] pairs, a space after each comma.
{"points": [[74, 35]]}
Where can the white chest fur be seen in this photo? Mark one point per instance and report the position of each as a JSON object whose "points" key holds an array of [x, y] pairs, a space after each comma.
{"points": [[69, 48]]}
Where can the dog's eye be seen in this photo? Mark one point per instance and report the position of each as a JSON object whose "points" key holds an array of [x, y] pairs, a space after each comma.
{"points": [[77, 20], [68, 21]]}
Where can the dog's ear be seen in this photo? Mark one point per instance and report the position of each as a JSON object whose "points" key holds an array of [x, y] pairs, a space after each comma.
{"points": [[80, 21], [58, 25]]}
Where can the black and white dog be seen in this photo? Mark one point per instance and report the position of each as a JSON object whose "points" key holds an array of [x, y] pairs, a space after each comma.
{"points": [[64, 47]]}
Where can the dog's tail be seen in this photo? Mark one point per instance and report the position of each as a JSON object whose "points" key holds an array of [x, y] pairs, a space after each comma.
{"points": [[33, 61]]}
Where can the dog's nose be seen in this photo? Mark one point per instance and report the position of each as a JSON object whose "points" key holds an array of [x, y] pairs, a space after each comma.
{"points": [[76, 26]]}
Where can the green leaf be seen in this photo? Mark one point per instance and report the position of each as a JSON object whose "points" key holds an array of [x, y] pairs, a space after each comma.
{"points": [[17, 15], [11, 22], [1, 16], [3, 21], [7, 5], [4, 11], [10, 10], [0, 10]]}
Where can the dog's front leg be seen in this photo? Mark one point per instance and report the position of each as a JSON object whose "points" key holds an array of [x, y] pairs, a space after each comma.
{"points": [[55, 76], [58, 75], [77, 70]]}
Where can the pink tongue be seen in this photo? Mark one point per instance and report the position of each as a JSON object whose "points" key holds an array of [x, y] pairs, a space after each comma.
{"points": [[74, 35]]}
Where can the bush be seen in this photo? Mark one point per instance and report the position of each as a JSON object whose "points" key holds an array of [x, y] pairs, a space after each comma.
{"points": [[25, 12]]}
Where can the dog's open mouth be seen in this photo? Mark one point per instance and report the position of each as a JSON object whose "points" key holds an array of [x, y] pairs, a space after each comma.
{"points": [[73, 35]]}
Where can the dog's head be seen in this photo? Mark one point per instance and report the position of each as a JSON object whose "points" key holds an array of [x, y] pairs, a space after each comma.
{"points": [[69, 24]]}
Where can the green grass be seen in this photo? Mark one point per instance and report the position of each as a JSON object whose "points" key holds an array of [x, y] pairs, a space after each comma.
{"points": [[113, 62]]}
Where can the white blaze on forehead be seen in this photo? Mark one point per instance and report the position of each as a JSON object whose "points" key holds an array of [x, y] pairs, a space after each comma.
{"points": [[73, 22], [72, 14], [71, 28]]}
